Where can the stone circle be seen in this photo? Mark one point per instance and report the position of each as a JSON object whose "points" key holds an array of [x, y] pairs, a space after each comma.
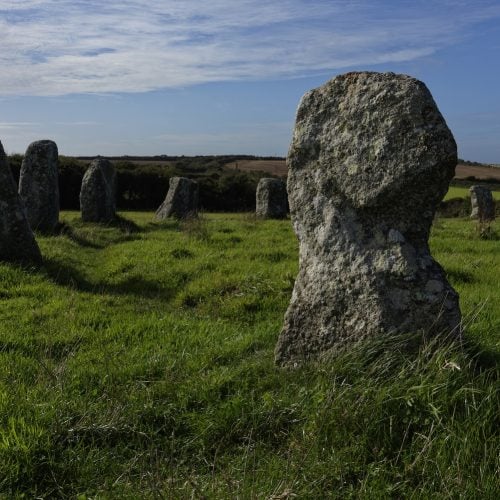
{"points": [[483, 204], [181, 201], [39, 185], [271, 199], [370, 160], [17, 243], [98, 192]]}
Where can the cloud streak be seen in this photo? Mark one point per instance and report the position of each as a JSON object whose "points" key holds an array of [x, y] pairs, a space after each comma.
{"points": [[58, 47]]}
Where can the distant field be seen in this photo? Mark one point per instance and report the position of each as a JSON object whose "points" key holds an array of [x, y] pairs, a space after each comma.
{"points": [[274, 167], [278, 167], [136, 162], [463, 171], [145, 162]]}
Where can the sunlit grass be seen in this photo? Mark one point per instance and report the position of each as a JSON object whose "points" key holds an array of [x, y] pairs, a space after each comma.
{"points": [[138, 362]]}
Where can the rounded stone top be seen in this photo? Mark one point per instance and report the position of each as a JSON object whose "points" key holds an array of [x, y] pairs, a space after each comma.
{"points": [[266, 181], [100, 161], [476, 188], [371, 135], [42, 145], [103, 164], [182, 179]]}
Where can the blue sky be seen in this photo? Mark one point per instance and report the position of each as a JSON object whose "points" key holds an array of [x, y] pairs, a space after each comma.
{"points": [[225, 76]]}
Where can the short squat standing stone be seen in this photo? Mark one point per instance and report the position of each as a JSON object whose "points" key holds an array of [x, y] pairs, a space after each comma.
{"points": [[17, 242], [97, 195], [370, 160], [271, 199], [39, 185], [181, 201], [483, 204]]}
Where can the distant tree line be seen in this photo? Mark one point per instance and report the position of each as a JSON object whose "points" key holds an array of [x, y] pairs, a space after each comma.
{"points": [[143, 186]]}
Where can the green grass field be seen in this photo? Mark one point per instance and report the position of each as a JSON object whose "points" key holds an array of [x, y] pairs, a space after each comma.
{"points": [[138, 363], [463, 192]]}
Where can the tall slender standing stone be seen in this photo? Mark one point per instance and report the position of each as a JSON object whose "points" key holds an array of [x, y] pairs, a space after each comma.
{"points": [[370, 160], [483, 204], [181, 200], [271, 199], [98, 192], [17, 242], [39, 185]]}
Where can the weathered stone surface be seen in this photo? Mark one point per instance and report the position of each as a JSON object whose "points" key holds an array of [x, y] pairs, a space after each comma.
{"points": [[271, 199], [181, 200], [39, 185], [17, 242], [97, 195], [483, 204], [370, 159]]}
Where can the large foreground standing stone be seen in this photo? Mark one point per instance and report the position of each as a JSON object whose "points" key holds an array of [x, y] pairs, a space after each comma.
{"points": [[181, 200], [17, 242], [483, 204], [39, 185], [370, 160], [97, 195], [271, 199]]}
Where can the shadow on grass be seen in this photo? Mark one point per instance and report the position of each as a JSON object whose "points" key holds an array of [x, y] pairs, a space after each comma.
{"points": [[460, 276], [126, 227], [65, 229], [55, 349], [483, 358], [68, 276], [154, 225]]}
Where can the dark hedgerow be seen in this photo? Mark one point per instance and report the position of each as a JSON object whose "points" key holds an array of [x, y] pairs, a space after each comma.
{"points": [[143, 185]]}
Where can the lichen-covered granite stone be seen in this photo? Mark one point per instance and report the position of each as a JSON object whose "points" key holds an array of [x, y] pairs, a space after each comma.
{"points": [[370, 160], [181, 201], [17, 243], [98, 192], [39, 185], [271, 199], [483, 204]]}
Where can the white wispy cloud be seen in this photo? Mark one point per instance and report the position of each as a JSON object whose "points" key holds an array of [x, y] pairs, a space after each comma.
{"points": [[57, 47], [17, 125]]}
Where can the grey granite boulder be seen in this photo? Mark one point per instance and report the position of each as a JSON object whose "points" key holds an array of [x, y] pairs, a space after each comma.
{"points": [[98, 192], [39, 185], [17, 242], [271, 199], [483, 204], [181, 201], [370, 160]]}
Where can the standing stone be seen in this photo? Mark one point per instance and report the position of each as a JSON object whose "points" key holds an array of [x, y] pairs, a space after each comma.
{"points": [[271, 199], [483, 204], [181, 200], [39, 185], [370, 160], [17, 242], [97, 195]]}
